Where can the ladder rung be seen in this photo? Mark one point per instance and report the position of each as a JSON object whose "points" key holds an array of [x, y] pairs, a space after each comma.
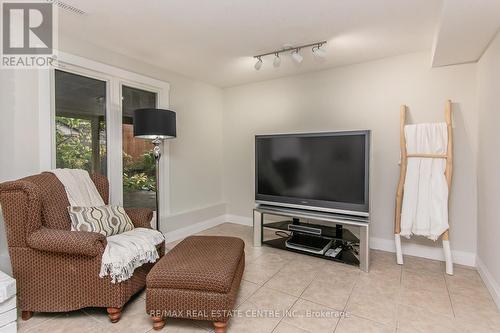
{"points": [[427, 155]]}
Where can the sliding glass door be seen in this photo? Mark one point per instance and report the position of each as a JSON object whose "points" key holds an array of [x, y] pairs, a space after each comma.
{"points": [[80, 122]]}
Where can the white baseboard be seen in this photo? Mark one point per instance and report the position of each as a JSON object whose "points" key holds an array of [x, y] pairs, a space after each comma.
{"points": [[186, 218], [489, 281], [243, 220], [429, 252], [192, 229]]}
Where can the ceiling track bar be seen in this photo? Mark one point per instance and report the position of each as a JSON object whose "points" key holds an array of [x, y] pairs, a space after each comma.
{"points": [[288, 49]]}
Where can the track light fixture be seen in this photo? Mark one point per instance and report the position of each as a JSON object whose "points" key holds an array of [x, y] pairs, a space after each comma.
{"points": [[318, 51], [258, 64], [277, 60], [296, 56]]}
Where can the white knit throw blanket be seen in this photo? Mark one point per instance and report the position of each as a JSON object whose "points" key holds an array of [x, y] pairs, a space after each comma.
{"points": [[124, 252], [129, 250], [80, 189]]}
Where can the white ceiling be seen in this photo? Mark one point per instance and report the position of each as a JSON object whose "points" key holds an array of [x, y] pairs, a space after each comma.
{"points": [[214, 41], [466, 28]]}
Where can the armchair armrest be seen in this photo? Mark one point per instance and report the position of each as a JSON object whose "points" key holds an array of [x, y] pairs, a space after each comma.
{"points": [[141, 217], [21, 208], [65, 241]]}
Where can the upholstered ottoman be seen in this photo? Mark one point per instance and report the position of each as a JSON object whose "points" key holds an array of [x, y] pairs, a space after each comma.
{"points": [[197, 279]]}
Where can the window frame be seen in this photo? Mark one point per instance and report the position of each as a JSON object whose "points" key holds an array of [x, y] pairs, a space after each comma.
{"points": [[114, 78], [120, 139]]}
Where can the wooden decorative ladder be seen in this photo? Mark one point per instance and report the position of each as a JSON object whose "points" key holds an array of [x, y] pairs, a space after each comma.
{"points": [[400, 191]]}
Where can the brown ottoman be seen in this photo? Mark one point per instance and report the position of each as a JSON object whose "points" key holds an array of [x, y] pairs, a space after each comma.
{"points": [[197, 279]]}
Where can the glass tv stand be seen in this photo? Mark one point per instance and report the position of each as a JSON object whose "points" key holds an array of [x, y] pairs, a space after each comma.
{"points": [[314, 233]]}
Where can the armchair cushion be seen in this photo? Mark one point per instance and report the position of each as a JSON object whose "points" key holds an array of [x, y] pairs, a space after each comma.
{"points": [[141, 217], [106, 220], [71, 242]]}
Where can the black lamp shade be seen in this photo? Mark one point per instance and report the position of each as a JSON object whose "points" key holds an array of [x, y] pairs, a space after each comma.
{"points": [[154, 123]]}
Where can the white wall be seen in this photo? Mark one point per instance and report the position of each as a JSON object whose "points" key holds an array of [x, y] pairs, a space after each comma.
{"points": [[18, 134], [489, 168], [19, 125], [363, 96]]}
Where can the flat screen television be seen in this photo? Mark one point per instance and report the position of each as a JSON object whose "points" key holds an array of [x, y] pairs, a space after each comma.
{"points": [[316, 171]]}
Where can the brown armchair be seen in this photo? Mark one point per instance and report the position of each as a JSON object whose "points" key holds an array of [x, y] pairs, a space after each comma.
{"points": [[57, 269]]}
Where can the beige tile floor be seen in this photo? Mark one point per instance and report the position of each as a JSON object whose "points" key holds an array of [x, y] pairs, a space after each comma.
{"points": [[320, 296]]}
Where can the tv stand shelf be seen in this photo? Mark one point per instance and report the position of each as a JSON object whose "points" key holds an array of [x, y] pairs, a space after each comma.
{"points": [[318, 221], [329, 232], [344, 256]]}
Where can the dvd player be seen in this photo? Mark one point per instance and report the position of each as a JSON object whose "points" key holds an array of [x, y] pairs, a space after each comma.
{"points": [[309, 243], [305, 229]]}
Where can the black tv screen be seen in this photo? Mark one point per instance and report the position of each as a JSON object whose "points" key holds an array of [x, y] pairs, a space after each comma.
{"points": [[318, 171]]}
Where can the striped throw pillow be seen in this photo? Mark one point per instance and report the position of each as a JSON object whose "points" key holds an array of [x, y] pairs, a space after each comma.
{"points": [[106, 220]]}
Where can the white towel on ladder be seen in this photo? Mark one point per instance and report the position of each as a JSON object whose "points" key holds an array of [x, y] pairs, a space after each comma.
{"points": [[425, 199]]}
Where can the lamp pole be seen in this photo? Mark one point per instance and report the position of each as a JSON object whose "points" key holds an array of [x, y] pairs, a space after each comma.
{"points": [[157, 154]]}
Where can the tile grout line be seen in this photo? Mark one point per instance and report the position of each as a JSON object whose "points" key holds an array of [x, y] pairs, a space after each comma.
{"points": [[248, 297], [315, 278], [449, 296], [279, 270], [262, 285], [372, 320], [281, 319], [442, 274], [396, 302], [298, 298], [345, 306], [38, 325], [272, 276], [398, 305], [284, 292]]}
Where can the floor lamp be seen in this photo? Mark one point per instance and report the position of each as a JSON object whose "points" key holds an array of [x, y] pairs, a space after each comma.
{"points": [[155, 125]]}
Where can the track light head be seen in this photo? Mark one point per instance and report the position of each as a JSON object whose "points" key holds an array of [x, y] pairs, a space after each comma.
{"points": [[277, 60], [318, 51], [296, 56], [258, 64]]}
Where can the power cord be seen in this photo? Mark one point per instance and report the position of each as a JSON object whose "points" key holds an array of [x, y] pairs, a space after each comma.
{"points": [[350, 246]]}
